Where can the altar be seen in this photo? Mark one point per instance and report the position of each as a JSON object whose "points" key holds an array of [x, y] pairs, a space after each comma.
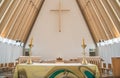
{"points": [[56, 70]]}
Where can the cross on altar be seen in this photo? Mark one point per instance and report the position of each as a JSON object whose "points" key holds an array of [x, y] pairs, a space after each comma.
{"points": [[59, 10]]}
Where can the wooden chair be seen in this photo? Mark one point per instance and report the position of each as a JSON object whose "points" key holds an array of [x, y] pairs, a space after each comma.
{"points": [[105, 70], [1, 67], [11, 67], [109, 68], [5, 67]]}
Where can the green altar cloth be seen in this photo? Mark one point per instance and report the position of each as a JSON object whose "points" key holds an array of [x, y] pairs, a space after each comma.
{"points": [[56, 70]]}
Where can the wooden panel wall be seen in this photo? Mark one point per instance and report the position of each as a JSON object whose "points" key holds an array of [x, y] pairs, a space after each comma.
{"points": [[102, 17], [17, 18]]}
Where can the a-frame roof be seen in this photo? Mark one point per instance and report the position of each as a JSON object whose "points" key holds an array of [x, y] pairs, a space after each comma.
{"points": [[17, 18]]}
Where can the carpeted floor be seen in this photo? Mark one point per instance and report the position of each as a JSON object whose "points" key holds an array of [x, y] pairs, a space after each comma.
{"points": [[6, 75]]}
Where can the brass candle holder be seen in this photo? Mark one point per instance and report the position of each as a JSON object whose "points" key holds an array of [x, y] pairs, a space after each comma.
{"points": [[29, 61], [84, 61]]}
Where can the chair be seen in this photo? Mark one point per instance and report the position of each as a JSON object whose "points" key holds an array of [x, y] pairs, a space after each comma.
{"points": [[1, 67], [5, 67], [105, 70], [109, 68], [11, 67]]}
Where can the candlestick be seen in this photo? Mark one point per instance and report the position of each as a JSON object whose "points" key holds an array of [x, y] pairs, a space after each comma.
{"points": [[84, 61], [83, 44], [31, 43], [29, 61]]}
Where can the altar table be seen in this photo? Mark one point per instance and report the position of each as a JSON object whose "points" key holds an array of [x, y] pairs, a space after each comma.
{"points": [[56, 70]]}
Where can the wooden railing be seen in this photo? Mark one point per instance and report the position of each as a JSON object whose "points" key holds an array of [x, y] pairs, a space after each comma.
{"points": [[23, 59], [97, 60]]}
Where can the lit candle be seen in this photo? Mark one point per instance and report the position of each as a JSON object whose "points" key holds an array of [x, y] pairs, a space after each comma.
{"points": [[83, 41]]}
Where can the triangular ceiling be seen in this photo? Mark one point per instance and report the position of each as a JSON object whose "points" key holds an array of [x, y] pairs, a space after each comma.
{"points": [[18, 16]]}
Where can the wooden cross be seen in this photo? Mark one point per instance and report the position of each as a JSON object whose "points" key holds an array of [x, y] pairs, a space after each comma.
{"points": [[59, 10]]}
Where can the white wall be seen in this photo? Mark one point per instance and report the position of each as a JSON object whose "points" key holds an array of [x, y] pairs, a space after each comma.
{"points": [[49, 43]]}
